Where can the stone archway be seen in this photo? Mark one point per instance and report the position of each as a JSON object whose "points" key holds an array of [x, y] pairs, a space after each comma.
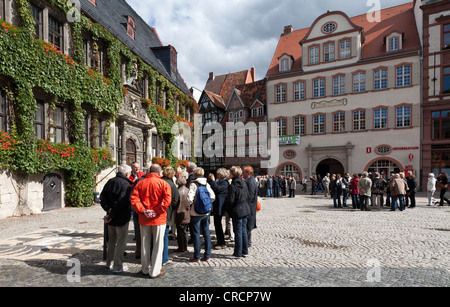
{"points": [[331, 166]]}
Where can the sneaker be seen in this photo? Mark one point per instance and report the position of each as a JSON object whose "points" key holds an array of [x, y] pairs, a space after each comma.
{"points": [[123, 269], [220, 246], [192, 259], [205, 259], [233, 257]]}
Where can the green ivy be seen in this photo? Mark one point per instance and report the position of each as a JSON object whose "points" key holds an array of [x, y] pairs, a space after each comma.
{"points": [[30, 64]]}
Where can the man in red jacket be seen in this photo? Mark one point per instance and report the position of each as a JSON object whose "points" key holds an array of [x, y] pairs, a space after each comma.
{"points": [[150, 199]]}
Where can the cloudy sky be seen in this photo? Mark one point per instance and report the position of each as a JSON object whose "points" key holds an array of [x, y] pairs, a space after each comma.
{"points": [[223, 36]]}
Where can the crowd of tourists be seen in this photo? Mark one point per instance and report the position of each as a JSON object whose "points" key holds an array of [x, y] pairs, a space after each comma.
{"points": [[276, 186], [178, 203], [373, 190]]}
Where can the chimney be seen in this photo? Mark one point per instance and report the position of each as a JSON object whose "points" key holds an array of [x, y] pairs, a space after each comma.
{"points": [[287, 30], [211, 76], [253, 74]]}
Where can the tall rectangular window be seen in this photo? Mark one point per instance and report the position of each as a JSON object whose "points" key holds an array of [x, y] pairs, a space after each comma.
{"points": [[281, 93], [281, 126], [319, 124], [329, 52], [299, 91], [339, 122], [446, 85], [403, 75], [345, 49], [39, 121], [447, 36], [380, 118], [359, 120], [58, 125], [299, 125], [339, 85], [36, 12], [314, 55], [3, 111], [403, 117], [2, 9], [55, 32], [380, 79], [394, 43], [319, 88], [359, 82], [441, 125]]}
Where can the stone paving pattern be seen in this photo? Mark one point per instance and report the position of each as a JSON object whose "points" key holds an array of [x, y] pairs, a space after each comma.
{"points": [[299, 242]]}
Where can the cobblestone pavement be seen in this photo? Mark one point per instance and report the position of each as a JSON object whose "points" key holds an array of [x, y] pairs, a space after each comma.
{"points": [[299, 242]]}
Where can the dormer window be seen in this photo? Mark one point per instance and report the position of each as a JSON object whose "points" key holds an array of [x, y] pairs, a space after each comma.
{"points": [[285, 63], [394, 42], [131, 27]]}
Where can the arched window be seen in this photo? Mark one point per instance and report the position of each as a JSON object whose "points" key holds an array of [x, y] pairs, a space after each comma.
{"points": [[384, 168], [290, 170]]}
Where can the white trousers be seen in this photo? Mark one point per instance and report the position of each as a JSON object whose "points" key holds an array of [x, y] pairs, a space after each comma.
{"points": [[152, 256]]}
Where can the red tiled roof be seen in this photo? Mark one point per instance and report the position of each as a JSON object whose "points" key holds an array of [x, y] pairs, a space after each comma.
{"points": [[398, 18], [223, 85]]}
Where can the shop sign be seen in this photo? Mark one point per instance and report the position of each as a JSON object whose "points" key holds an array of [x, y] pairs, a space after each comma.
{"points": [[289, 140]]}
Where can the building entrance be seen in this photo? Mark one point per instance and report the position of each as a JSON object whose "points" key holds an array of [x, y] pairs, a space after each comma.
{"points": [[331, 166]]}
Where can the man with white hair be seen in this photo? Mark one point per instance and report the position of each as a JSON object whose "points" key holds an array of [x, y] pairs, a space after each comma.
{"points": [[115, 200], [365, 191], [190, 169]]}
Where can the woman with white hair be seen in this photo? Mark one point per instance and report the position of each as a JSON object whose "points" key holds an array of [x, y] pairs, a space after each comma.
{"points": [[431, 188]]}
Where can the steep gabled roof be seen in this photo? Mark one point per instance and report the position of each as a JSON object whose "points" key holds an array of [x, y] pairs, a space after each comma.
{"points": [[399, 18], [223, 85], [113, 16]]}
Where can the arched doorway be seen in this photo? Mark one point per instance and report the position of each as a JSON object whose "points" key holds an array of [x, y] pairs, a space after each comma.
{"points": [[384, 167], [331, 166], [131, 151], [288, 170]]}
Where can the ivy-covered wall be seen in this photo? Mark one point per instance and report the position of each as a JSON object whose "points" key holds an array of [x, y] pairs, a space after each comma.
{"points": [[27, 64]]}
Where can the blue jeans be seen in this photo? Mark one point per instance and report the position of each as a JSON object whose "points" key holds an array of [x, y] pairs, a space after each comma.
{"points": [[197, 223], [276, 191], [269, 192], [401, 199], [166, 245], [240, 237], [344, 196], [355, 201]]}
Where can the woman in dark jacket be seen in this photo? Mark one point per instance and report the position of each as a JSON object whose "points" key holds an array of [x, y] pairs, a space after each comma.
{"points": [[168, 175], [238, 208], [220, 188], [252, 186], [115, 200]]}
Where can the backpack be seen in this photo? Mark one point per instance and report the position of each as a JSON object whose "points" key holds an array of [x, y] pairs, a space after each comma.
{"points": [[203, 202]]}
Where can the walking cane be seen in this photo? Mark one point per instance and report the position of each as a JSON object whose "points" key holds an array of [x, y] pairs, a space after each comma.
{"points": [[105, 240]]}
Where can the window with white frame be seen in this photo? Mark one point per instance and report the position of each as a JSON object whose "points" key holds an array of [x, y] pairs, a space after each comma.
{"points": [[345, 49], [299, 125], [403, 117], [319, 88], [285, 65], [281, 93], [403, 75], [319, 124], [380, 116], [380, 79], [314, 55], [339, 85], [359, 82], [394, 44], [329, 55], [359, 120], [339, 122], [257, 112], [281, 126], [289, 170], [299, 90]]}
